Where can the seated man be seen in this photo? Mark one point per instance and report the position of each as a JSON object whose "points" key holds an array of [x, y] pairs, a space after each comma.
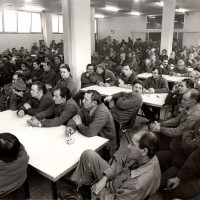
{"points": [[185, 120], [24, 72], [165, 68], [94, 118], [13, 167], [180, 69], [65, 109], [191, 61], [126, 103], [185, 183], [36, 73], [134, 176], [154, 84], [89, 77], [127, 77], [176, 94], [40, 104], [48, 76], [105, 77]]}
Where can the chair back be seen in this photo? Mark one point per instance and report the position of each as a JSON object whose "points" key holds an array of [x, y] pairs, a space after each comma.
{"points": [[118, 128], [131, 123]]}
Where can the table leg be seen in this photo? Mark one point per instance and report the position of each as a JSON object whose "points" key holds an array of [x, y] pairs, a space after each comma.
{"points": [[54, 190]]}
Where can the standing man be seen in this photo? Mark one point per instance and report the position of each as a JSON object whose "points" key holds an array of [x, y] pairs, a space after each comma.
{"points": [[93, 119]]}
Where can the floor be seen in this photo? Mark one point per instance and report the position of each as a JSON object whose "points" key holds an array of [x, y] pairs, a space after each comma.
{"points": [[40, 187]]}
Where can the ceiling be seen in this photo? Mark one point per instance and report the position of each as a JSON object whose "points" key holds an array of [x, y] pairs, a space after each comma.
{"points": [[146, 7]]}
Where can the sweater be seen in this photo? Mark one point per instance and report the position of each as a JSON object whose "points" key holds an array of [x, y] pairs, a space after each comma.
{"points": [[41, 109], [88, 80], [13, 174], [66, 83], [62, 114], [126, 105], [160, 84], [100, 122]]}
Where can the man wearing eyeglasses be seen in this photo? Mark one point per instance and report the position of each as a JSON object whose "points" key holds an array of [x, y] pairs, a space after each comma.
{"points": [[134, 176]]}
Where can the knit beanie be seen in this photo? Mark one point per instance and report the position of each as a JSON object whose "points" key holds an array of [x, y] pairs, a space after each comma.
{"points": [[19, 85]]}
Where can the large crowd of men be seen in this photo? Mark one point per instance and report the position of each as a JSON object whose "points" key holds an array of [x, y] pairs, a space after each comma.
{"points": [[160, 163]]}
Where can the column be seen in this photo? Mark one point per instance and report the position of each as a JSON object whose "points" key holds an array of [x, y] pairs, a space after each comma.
{"points": [[92, 17], [77, 36], [168, 25]]}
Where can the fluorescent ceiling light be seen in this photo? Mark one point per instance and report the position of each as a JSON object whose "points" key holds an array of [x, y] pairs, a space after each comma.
{"points": [[161, 3], [182, 10], [33, 8], [99, 16], [137, 0], [135, 13], [112, 8], [153, 17]]}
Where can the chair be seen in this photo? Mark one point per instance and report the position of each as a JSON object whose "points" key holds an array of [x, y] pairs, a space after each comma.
{"points": [[118, 128], [129, 126]]}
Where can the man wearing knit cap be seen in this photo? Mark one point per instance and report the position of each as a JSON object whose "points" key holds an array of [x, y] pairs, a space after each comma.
{"points": [[105, 77], [17, 97]]}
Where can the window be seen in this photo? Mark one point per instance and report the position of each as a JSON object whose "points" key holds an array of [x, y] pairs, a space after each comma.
{"points": [[155, 21], [36, 23], [10, 20], [1, 21], [24, 22], [57, 24], [60, 26]]}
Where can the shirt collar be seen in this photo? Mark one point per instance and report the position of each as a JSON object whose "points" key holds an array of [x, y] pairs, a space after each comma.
{"points": [[192, 109], [144, 168]]}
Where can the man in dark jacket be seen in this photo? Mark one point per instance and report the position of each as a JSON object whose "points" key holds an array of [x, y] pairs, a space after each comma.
{"points": [[154, 84], [40, 104], [65, 109], [93, 119]]}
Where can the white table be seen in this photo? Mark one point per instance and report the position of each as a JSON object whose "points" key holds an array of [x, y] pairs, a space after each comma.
{"points": [[49, 154], [156, 100], [172, 79]]}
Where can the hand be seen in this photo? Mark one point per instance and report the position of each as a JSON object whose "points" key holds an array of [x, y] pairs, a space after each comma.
{"points": [[87, 74], [107, 85], [101, 84], [155, 127], [69, 131], [108, 98], [33, 122], [77, 119], [177, 74], [29, 81], [27, 106], [145, 91], [48, 86], [151, 90], [173, 183], [21, 113], [161, 66], [96, 188], [121, 81]]}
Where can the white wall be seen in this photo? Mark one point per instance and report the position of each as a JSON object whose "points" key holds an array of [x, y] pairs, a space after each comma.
{"points": [[124, 27], [23, 40], [192, 29], [135, 26]]}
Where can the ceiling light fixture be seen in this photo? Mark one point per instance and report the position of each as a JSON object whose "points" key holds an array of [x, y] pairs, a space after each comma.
{"points": [[181, 10], [152, 17], [99, 16], [161, 3], [33, 8], [112, 8], [135, 13]]}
